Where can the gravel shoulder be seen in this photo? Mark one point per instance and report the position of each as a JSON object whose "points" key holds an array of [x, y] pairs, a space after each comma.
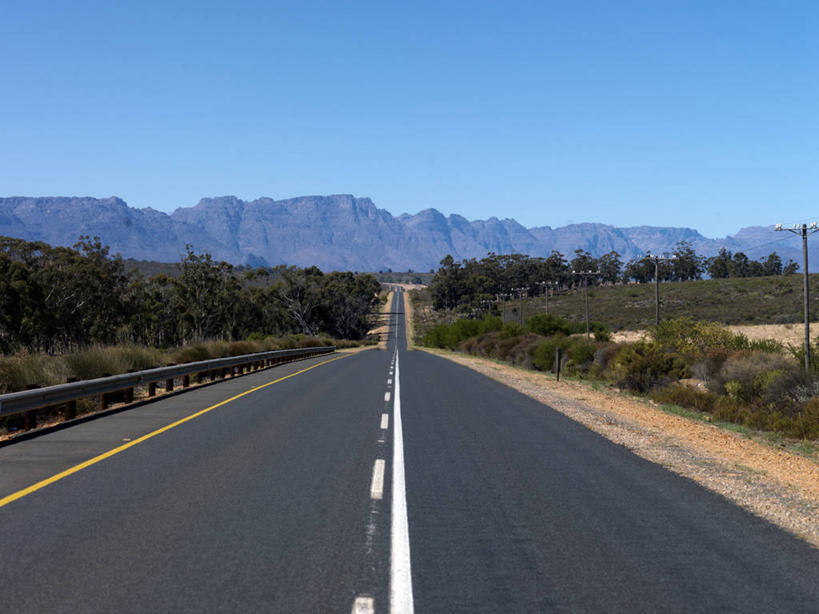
{"points": [[772, 483]]}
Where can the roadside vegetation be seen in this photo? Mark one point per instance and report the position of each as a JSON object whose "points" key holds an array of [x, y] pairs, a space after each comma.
{"points": [[739, 291], [80, 313], [697, 366]]}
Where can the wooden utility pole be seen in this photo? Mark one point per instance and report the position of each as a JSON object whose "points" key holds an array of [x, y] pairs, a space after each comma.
{"points": [[585, 276], [804, 230], [656, 260], [520, 292]]}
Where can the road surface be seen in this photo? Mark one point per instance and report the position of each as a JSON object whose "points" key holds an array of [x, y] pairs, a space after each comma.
{"points": [[387, 480]]}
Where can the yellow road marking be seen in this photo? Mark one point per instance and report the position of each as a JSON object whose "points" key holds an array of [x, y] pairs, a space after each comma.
{"points": [[93, 461]]}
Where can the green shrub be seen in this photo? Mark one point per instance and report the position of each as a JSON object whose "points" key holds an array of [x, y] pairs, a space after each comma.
{"points": [[580, 354], [695, 337], [512, 329], [746, 376], [544, 355], [805, 424], [546, 324], [450, 335], [686, 396], [644, 366]]}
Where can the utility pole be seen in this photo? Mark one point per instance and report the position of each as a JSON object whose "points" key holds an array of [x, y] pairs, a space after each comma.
{"points": [[656, 260], [546, 285], [804, 230], [585, 276], [502, 299], [520, 292]]}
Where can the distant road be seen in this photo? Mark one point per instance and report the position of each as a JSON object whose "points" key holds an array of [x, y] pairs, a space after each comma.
{"points": [[381, 481]]}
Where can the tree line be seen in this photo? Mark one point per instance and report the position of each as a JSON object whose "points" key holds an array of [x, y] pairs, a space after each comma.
{"points": [[471, 281], [54, 299]]}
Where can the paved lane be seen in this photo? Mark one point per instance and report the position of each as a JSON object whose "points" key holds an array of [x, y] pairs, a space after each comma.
{"points": [[515, 508], [259, 505], [297, 498]]}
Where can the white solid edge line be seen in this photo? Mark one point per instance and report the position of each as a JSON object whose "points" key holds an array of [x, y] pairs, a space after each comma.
{"points": [[400, 571], [385, 421], [387, 397], [377, 485], [364, 605]]}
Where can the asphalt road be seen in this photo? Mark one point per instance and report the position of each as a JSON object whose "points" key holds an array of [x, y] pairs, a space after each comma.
{"points": [[385, 480]]}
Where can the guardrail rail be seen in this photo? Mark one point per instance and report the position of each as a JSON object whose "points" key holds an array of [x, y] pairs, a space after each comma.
{"points": [[121, 387]]}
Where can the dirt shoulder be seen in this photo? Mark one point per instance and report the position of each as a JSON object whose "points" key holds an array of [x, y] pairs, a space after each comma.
{"points": [[383, 323], [774, 484]]}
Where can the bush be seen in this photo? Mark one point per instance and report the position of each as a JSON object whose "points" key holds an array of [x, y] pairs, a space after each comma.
{"points": [[805, 424], [686, 396], [580, 355], [546, 324], [747, 376], [695, 337], [450, 335], [544, 355], [644, 366], [512, 329]]}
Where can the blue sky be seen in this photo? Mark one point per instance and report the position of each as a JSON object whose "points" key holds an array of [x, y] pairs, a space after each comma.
{"points": [[674, 113]]}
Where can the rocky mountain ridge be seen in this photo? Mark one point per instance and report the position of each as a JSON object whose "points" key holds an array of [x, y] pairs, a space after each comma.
{"points": [[340, 232]]}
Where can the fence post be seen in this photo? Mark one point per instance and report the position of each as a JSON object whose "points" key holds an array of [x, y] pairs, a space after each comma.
{"points": [[557, 364]]}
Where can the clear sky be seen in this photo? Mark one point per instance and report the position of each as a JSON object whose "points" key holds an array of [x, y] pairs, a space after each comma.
{"points": [[679, 113]]}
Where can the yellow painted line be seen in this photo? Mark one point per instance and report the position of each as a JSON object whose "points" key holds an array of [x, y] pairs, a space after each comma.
{"points": [[93, 461]]}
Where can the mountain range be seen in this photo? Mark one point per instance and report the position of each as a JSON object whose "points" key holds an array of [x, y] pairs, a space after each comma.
{"points": [[341, 232]]}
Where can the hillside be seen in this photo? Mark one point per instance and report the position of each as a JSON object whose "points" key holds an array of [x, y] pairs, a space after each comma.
{"points": [[340, 232]]}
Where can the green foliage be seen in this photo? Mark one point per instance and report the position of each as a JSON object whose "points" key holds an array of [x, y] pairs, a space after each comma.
{"points": [[644, 366], [56, 299], [544, 359], [512, 329], [688, 336], [547, 324], [686, 396], [450, 335]]}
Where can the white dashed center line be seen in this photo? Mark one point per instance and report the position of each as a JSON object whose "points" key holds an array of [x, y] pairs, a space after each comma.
{"points": [[364, 605], [377, 486], [385, 421]]}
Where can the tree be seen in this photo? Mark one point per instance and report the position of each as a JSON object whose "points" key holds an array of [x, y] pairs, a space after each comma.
{"points": [[740, 265], [610, 266], [686, 265], [299, 293], [772, 264], [719, 266]]}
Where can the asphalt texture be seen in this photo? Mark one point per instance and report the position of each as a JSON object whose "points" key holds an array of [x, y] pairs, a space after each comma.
{"points": [[264, 504]]}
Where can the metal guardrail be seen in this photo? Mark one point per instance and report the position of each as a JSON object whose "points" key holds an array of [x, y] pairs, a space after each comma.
{"points": [[28, 401]]}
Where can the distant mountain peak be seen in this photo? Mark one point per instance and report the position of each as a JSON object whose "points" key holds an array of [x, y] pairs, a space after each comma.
{"points": [[337, 232]]}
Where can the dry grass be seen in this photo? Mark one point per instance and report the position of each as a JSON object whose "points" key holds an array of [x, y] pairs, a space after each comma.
{"points": [[409, 320], [787, 334]]}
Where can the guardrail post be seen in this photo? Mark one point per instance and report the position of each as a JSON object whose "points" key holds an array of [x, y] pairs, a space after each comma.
{"points": [[129, 392], [186, 381], [30, 417], [152, 389], [169, 384], [71, 406]]}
